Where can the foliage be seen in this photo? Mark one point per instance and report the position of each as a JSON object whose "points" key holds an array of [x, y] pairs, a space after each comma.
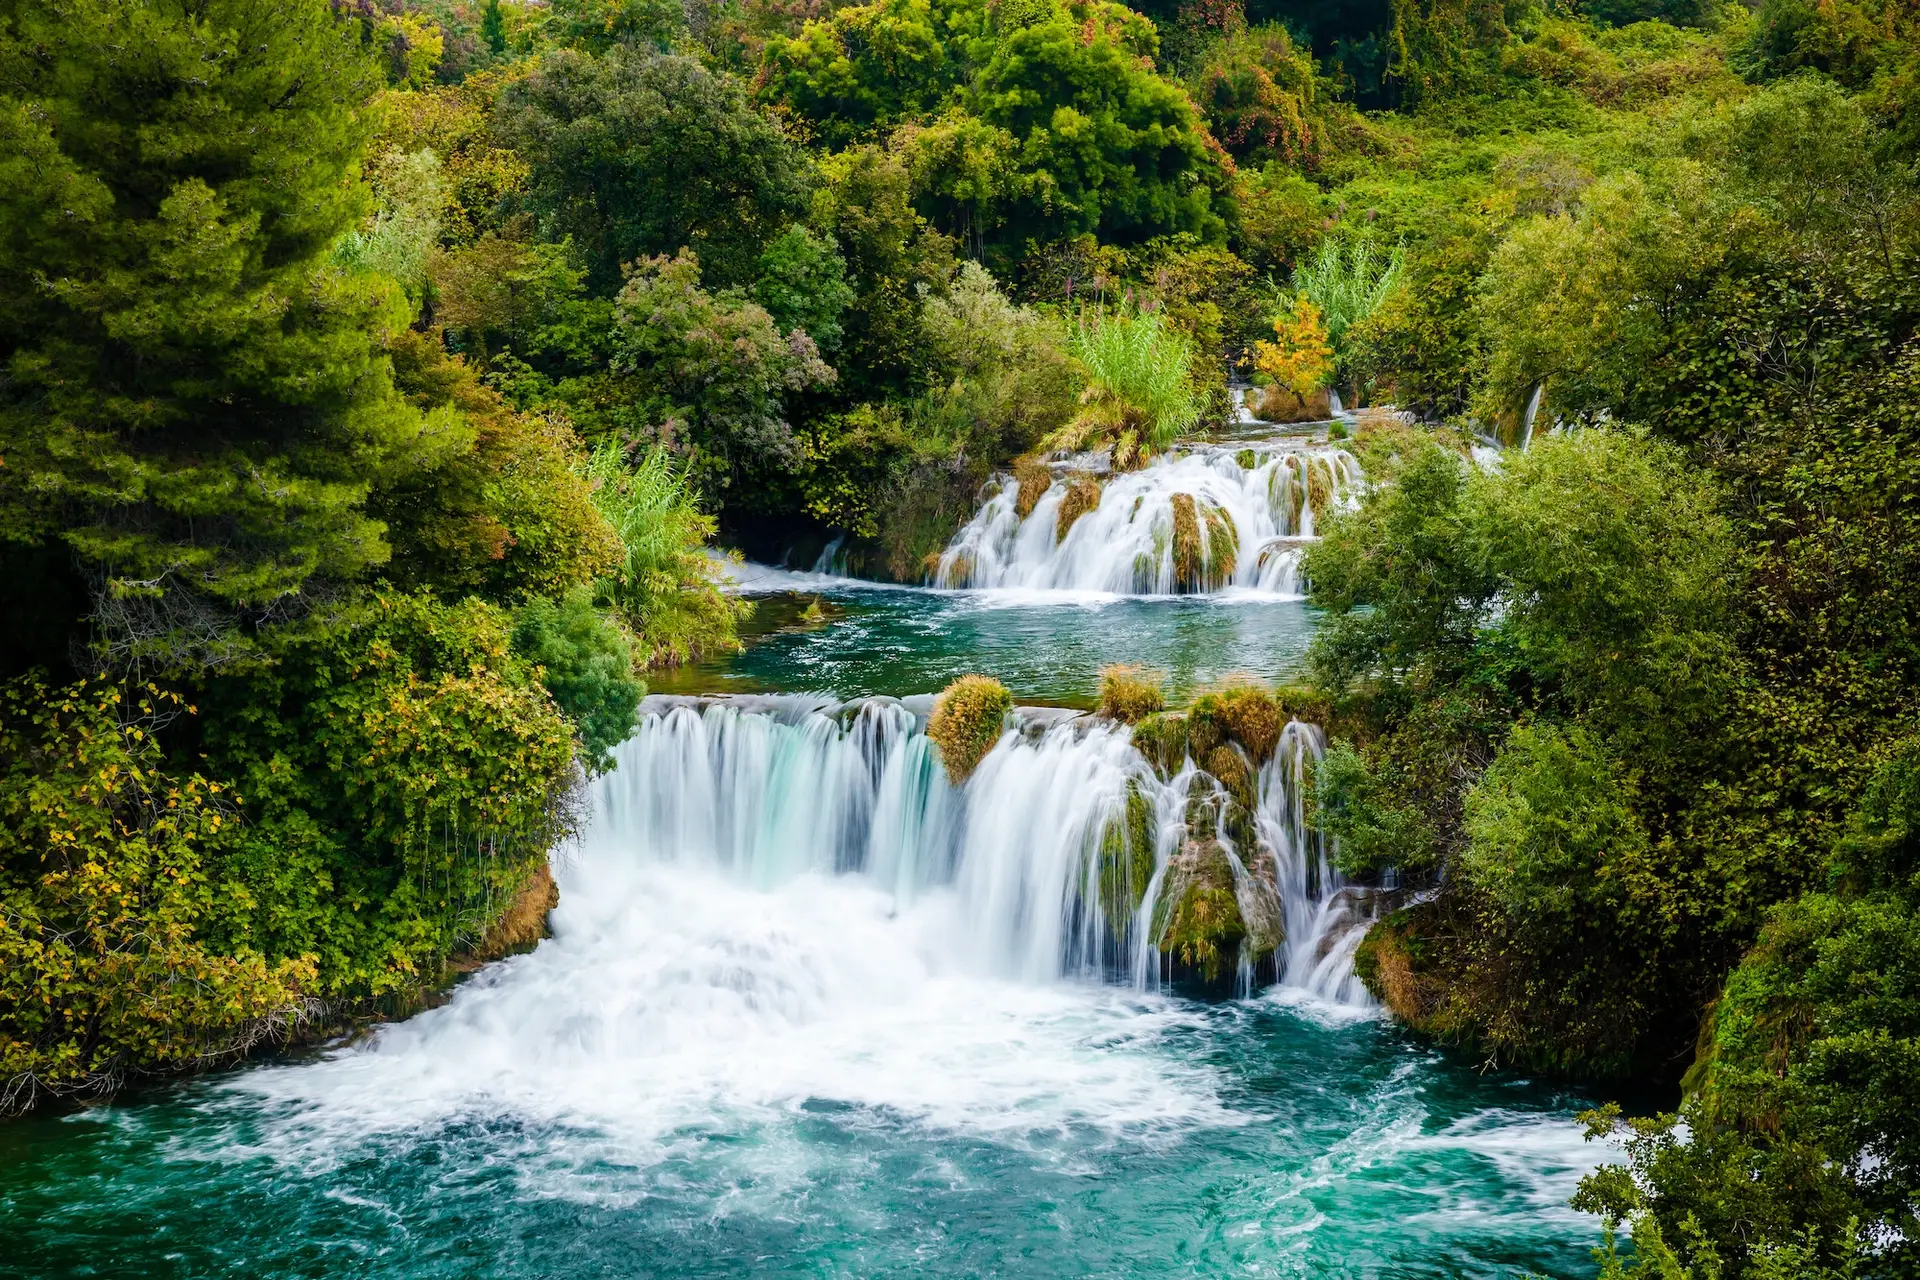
{"points": [[1258, 92], [1300, 358], [108, 877], [194, 400], [966, 723], [664, 585], [635, 154], [501, 509], [1139, 392], [1810, 1054], [895, 260], [404, 229], [1129, 694], [586, 663], [708, 371], [1044, 125], [803, 285], [1550, 828], [404, 777], [1345, 285]]}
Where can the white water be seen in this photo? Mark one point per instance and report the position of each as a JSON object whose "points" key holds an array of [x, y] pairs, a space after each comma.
{"points": [[1125, 545], [780, 898]]}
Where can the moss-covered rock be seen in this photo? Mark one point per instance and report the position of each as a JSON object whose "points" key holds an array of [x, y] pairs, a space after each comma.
{"points": [[1082, 496], [1221, 556], [1243, 712], [1230, 769], [1189, 560], [1034, 479], [1319, 485], [967, 720], [1162, 739], [1388, 962], [1247, 460], [1126, 860], [1129, 694], [1201, 926], [1206, 801]]}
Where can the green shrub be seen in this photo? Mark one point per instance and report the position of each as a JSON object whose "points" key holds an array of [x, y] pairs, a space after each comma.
{"points": [[586, 663], [665, 584], [109, 875], [967, 720], [404, 778]]}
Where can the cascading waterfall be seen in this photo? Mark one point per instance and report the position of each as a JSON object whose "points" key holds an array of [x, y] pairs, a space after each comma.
{"points": [[1190, 522], [766, 790], [1325, 916]]}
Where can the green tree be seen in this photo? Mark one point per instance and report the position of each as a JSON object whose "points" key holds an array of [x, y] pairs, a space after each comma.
{"points": [[493, 29], [1105, 145], [195, 400], [635, 154], [803, 285], [711, 370]]}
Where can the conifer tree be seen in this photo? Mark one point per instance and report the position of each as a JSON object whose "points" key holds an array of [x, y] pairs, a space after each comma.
{"points": [[190, 394]]}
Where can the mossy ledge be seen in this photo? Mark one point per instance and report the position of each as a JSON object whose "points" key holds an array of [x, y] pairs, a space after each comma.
{"points": [[967, 720]]}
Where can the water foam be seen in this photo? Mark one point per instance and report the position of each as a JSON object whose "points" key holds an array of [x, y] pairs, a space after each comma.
{"points": [[782, 901], [1269, 495]]}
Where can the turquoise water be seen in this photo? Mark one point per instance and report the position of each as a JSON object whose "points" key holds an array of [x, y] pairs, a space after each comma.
{"points": [[1305, 1148], [704, 1073], [899, 641]]}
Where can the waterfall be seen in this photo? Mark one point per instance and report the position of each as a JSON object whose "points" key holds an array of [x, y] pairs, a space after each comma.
{"points": [[1325, 916], [1188, 523], [1036, 850]]}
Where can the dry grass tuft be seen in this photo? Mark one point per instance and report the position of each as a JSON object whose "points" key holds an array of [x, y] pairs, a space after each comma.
{"points": [[967, 721], [1129, 693]]}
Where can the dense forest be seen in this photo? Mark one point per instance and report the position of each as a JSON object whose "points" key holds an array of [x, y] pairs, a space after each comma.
{"points": [[377, 376]]}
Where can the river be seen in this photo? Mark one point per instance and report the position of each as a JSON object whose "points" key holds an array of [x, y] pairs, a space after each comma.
{"points": [[811, 1010]]}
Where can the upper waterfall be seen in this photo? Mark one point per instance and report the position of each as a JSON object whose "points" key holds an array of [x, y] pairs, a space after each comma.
{"points": [[1192, 521]]}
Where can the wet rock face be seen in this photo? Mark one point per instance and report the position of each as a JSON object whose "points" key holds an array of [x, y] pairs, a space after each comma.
{"points": [[1212, 916], [1203, 927]]}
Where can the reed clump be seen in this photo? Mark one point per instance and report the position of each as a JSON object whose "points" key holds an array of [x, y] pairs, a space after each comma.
{"points": [[1130, 693], [967, 720]]}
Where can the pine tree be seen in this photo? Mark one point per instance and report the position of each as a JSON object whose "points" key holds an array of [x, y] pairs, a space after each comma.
{"points": [[193, 398]]}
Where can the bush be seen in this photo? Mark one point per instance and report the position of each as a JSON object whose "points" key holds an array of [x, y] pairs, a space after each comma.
{"points": [[586, 663], [665, 584], [108, 877], [967, 721], [405, 778], [1549, 825], [1129, 693]]}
